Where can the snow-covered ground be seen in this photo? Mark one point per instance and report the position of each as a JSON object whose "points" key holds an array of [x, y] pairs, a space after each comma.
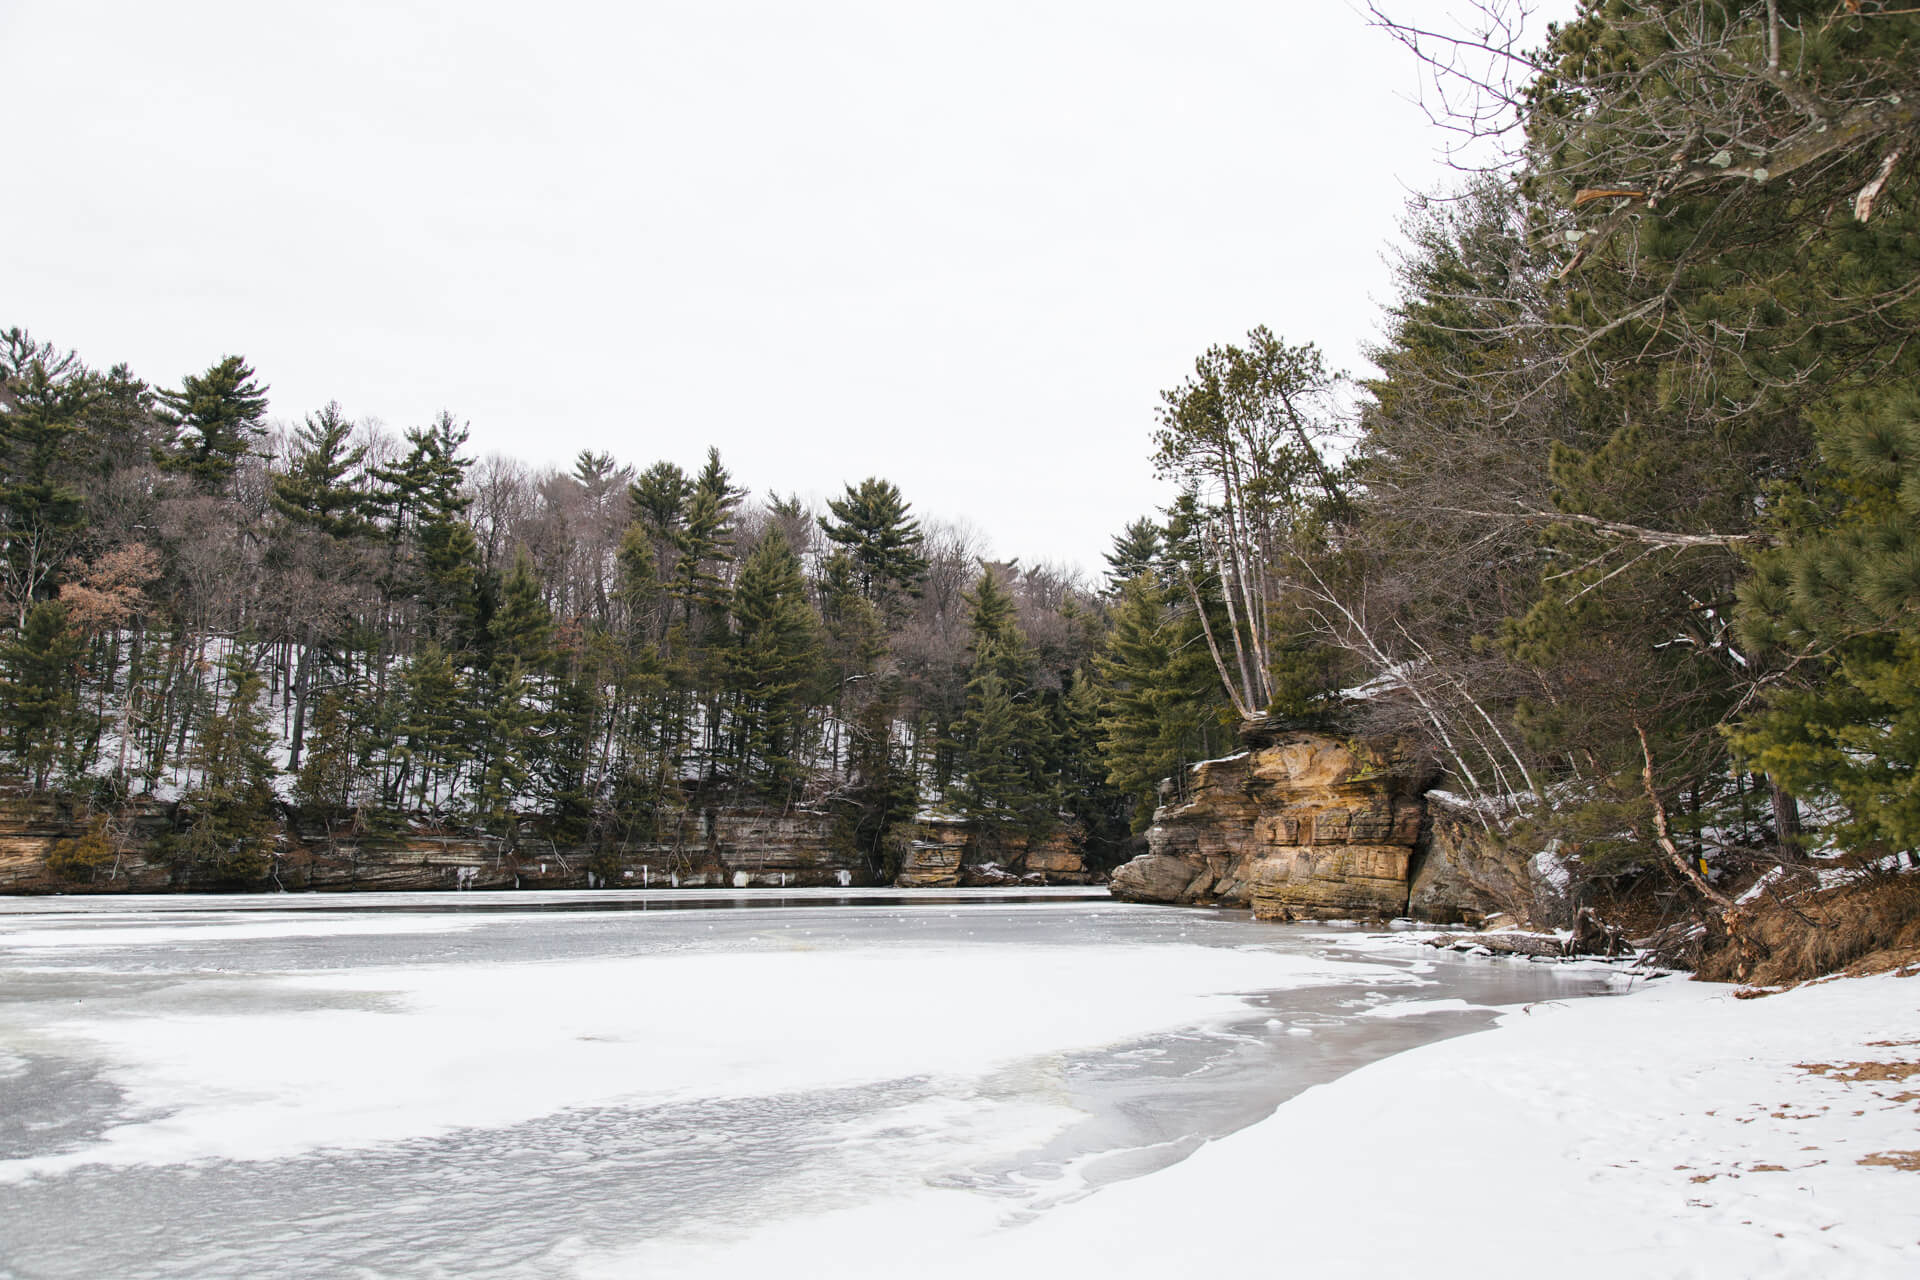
{"points": [[1677, 1133]]}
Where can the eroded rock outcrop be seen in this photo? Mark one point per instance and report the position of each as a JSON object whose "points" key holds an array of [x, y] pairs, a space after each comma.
{"points": [[929, 852], [942, 852], [1302, 825]]}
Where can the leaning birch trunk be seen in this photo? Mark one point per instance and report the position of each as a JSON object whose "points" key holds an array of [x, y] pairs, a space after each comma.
{"points": [[1384, 664], [1664, 838], [1247, 696], [1460, 687], [1238, 538], [1213, 647]]}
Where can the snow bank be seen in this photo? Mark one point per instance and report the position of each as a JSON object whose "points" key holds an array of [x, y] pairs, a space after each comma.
{"points": [[1677, 1133]]}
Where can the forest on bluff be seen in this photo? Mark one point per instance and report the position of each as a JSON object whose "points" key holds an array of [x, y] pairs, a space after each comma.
{"points": [[1624, 531]]}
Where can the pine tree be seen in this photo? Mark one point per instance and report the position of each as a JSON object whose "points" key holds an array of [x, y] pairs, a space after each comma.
{"points": [[1726, 316], [774, 664], [1101, 809], [853, 635], [230, 808], [659, 500], [652, 716], [216, 418], [518, 692], [39, 701], [317, 489], [433, 555], [1003, 788], [521, 628], [1002, 738], [704, 543], [1136, 550], [882, 789], [507, 722], [45, 400], [330, 778], [1161, 705], [123, 423], [433, 738], [560, 769], [993, 620], [871, 523], [1843, 588], [449, 556]]}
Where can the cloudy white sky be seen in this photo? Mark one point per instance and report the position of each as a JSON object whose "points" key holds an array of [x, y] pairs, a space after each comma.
{"points": [[961, 246]]}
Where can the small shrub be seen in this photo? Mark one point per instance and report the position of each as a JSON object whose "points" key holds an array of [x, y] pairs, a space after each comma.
{"points": [[78, 858]]}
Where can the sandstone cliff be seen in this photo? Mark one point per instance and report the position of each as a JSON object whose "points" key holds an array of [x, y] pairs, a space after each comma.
{"points": [[942, 852], [731, 847], [714, 847], [1304, 825]]}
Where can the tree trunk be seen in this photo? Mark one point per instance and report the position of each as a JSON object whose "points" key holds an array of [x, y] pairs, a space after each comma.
{"points": [[302, 675], [1786, 822]]}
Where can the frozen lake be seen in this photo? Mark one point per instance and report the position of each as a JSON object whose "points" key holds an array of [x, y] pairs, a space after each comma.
{"points": [[628, 1083]]}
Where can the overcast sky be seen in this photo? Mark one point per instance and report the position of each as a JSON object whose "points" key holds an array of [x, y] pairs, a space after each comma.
{"points": [[960, 246]]}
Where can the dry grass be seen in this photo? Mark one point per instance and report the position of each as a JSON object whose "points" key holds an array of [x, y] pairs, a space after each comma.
{"points": [[1869, 927], [1854, 1072], [1907, 1160]]}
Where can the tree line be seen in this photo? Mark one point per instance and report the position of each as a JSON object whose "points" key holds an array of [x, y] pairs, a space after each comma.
{"points": [[366, 629]]}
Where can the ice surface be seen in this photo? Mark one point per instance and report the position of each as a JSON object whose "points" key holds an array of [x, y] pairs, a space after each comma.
{"points": [[221, 1088], [494, 1046], [154, 934]]}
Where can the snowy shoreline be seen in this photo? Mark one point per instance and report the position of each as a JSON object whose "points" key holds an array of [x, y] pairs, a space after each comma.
{"points": [[1673, 1132]]}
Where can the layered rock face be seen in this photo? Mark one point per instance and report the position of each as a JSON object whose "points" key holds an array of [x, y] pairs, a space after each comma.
{"points": [[930, 853], [1466, 870], [940, 853], [1303, 825], [719, 848], [715, 847], [780, 849], [1056, 859]]}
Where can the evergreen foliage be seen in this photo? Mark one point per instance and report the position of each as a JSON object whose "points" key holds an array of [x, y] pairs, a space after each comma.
{"points": [[1628, 515], [774, 665], [1005, 786], [39, 704], [1136, 550], [319, 489], [45, 399], [871, 524], [1161, 707], [229, 812], [216, 418]]}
